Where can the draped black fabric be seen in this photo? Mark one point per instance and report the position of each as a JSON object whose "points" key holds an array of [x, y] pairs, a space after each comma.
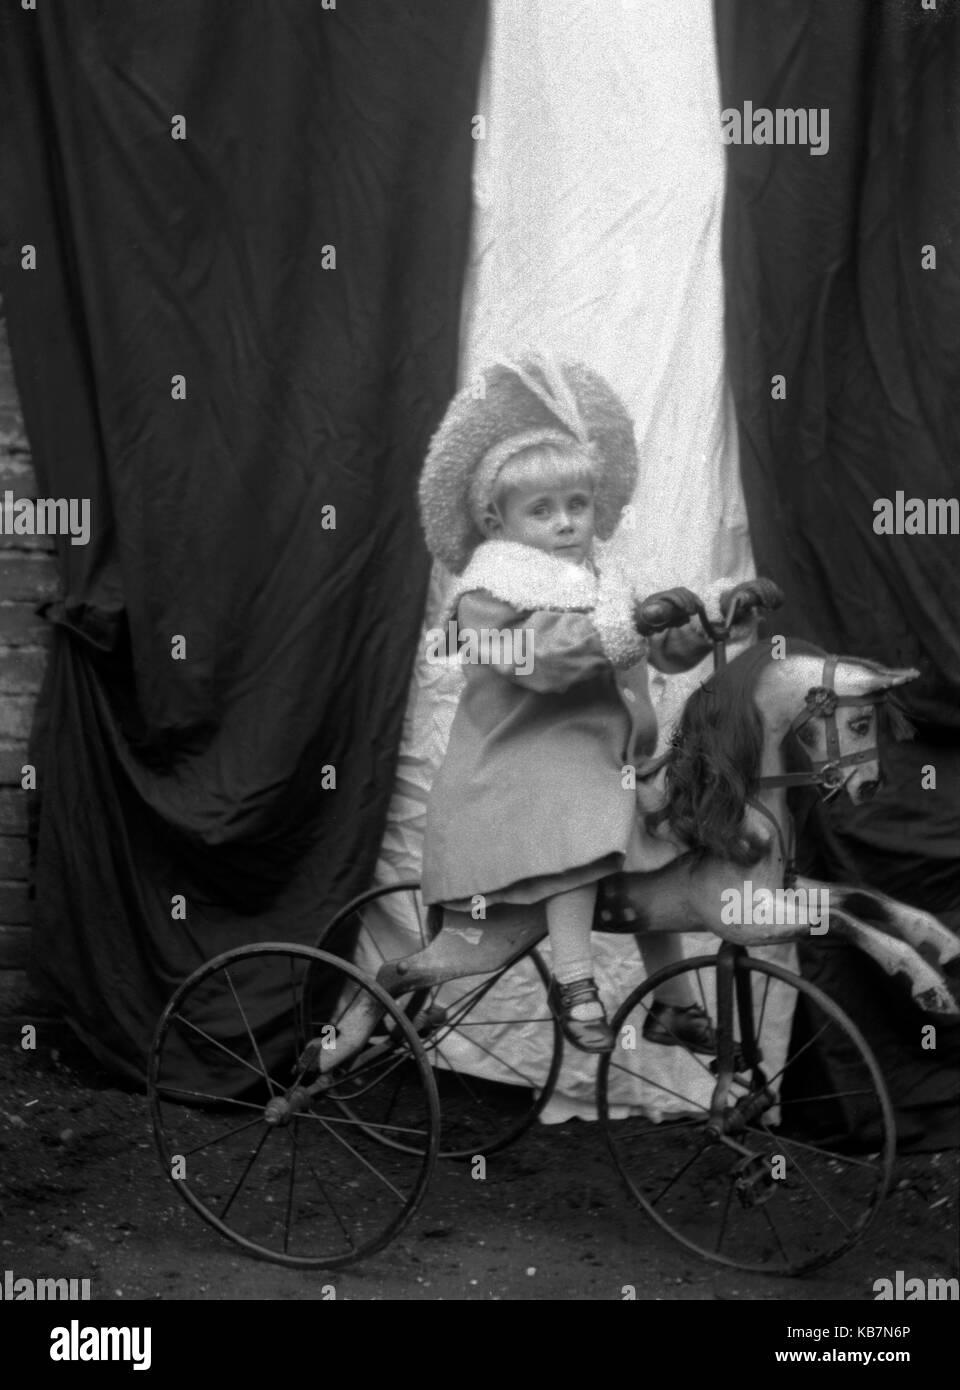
{"points": [[826, 286], [250, 224], [843, 277], [879, 844]]}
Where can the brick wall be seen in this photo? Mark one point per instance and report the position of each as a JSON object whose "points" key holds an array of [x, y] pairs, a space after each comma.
{"points": [[28, 575]]}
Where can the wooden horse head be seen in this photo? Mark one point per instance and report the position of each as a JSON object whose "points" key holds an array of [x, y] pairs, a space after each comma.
{"points": [[729, 743], [832, 705]]}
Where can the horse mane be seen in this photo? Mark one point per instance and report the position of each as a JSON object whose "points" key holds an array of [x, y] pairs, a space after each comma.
{"points": [[894, 721], [713, 765]]}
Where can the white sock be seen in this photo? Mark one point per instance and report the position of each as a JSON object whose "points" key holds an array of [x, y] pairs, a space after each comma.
{"points": [[579, 970], [569, 920]]}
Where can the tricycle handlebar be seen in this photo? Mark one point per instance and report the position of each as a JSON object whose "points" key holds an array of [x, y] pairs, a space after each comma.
{"points": [[675, 607]]}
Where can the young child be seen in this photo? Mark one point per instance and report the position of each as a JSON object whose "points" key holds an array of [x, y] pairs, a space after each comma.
{"points": [[529, 806]]}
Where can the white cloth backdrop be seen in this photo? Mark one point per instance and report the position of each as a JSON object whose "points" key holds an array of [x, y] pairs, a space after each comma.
{"points": [[598, 191]]}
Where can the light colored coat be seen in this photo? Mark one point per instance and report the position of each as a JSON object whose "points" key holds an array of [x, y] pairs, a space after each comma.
{"points": [[532, 799]]}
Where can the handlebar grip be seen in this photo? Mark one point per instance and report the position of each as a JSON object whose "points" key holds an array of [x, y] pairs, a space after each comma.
{"points": [[668, 608], [751, 594]]}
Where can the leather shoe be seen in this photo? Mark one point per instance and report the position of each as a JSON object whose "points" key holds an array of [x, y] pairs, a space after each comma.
{"points": [[673, 1026], [587, 1034]]}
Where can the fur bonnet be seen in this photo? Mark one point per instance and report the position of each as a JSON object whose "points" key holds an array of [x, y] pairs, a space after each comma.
{"points": [[530, 401]]}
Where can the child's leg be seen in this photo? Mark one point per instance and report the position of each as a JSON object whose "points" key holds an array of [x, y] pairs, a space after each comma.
{"points": [[658, 950], [569, 922], [676, 1014]]}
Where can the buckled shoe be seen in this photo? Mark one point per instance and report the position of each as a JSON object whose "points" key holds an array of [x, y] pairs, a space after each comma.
{"points": [[587, 1034], [669, 1025]]}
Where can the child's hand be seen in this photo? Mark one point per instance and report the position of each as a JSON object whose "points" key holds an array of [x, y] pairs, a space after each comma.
{"points": [[751, 598], [669, 619], [666, 609]]}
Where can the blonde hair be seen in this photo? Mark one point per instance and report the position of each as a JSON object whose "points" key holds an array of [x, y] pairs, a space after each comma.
{"points": [[545, 465]]}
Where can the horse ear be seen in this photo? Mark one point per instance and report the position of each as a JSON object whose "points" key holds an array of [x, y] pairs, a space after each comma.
{"points": [[857, 677]]}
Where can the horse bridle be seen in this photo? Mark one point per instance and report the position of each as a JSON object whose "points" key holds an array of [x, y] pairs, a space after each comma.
{"points": [[822, 702]]}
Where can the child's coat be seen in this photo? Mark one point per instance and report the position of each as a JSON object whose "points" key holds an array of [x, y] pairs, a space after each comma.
{"points": [[535, 795]]}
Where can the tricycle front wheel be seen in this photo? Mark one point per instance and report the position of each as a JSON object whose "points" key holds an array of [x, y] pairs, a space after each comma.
{"points": [[776, 1170]]}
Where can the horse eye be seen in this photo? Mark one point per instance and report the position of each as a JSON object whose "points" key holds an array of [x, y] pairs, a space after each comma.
{"points": [[860, 726]]}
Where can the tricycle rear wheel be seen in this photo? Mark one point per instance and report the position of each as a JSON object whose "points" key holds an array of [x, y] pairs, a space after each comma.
{"points": [[492, 1040], [250, 1122]]}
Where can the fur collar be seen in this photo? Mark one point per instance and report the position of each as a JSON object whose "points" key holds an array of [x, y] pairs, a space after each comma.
{"points": [[527, 578], [531, 580]]}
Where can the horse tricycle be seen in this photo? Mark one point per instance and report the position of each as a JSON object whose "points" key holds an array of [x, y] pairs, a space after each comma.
{"points": [[300, 1102]]}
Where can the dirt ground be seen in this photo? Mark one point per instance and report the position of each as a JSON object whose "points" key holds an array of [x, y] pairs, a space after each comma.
{"points": [[82, 1195]]}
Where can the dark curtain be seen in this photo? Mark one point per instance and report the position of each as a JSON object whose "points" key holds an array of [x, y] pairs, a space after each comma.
{"points": [[877, 844], [217, 735], [825, 285]]}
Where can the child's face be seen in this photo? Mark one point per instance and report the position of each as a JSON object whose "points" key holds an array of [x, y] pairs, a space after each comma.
{"points": [[559, 519]]}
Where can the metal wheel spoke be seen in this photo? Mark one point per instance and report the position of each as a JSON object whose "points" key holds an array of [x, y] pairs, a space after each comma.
{"points": [[366, 1163], [658, 1130], [795, 1056], [326, 1197], [687, 1051], [223, 1048], [369, 936], [361, 1123], [811, 1148], [246, 1024], [501, 1061], [723, 1218], [828, 1095], [774, 1232], [680, 1172], [465, 1002], [166, 1093], [658, 1085], [290, 1187], [243, 1176], [394, 1097], [228, 1134], [390, 1062], [813, 1186], [463, 1078]]}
